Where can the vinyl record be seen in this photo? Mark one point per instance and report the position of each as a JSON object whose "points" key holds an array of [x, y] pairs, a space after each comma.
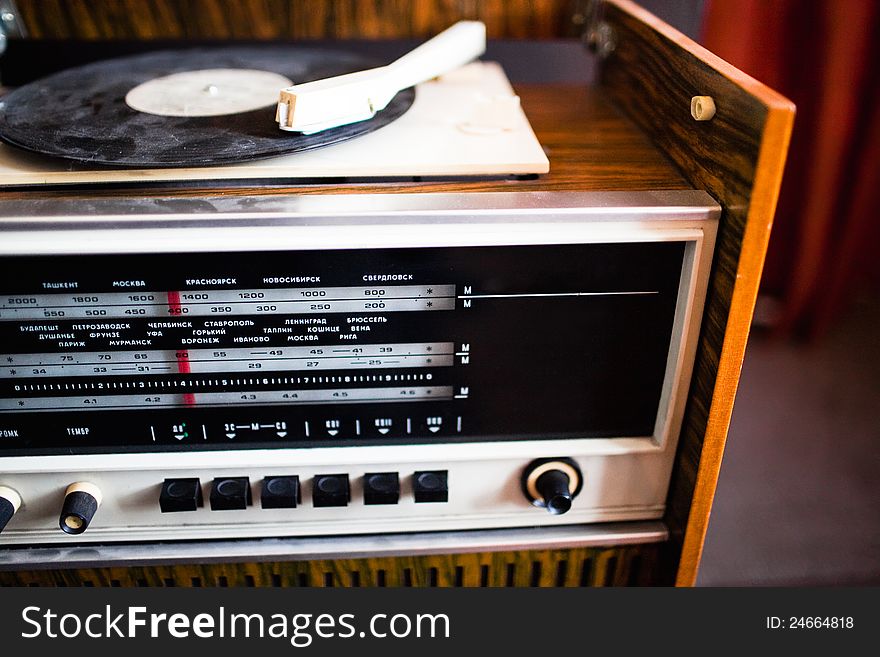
{"points": [[182, 118]]}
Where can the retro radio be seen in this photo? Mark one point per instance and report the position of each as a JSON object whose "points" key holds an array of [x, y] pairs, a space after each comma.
{"points": [[412, 324], [270, 366]]}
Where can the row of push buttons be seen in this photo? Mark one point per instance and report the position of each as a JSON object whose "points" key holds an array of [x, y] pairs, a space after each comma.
{"points": [[284, 492]]}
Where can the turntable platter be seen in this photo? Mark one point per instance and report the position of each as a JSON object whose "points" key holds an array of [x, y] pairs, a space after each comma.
{"points": [[199, 107]]}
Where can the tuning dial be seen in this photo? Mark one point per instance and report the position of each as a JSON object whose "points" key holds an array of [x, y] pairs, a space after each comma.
{"points": [[552, 484], [81, 501], [10, 502]]}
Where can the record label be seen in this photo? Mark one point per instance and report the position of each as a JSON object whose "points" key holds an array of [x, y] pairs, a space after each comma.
{"points": [[210, 92]]}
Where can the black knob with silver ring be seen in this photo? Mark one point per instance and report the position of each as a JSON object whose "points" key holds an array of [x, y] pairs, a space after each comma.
{"points": [[552, 483]]}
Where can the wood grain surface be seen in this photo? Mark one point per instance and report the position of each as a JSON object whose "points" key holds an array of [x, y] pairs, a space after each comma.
{"points": [[738, 157], [613, 566], [289, 19]]}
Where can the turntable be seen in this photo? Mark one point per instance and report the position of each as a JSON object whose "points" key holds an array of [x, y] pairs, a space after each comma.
{"points": [[133, 118], [209, 114], [489, 336]]}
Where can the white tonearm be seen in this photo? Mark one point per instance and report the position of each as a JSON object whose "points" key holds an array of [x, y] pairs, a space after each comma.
{"points": [[314, 106]]}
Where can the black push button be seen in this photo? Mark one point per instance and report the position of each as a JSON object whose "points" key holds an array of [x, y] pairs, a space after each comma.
{"points": [[180, 495], [331, 490], [431, 486], [381, 488], [280, 493], [231, 493]]}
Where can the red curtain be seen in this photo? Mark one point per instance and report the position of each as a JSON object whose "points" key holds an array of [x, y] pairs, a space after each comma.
{"points": [[825, 56]]}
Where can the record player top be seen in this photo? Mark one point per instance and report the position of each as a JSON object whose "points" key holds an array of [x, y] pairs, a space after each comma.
{"points": [[465, 123]]}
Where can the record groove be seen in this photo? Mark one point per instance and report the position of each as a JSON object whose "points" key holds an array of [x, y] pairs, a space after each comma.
{"points": [[81, 114]]}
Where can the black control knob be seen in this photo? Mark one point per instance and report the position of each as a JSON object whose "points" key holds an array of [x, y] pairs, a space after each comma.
{"points": [[553, 487], [10, 502], [81, 502], [552, 484]]}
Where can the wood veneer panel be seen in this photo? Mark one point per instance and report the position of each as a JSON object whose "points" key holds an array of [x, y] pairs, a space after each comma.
{"points": [[738, 157], [288, 19], [612, 566]]}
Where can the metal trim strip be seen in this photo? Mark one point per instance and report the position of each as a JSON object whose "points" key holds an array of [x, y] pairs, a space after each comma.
{"points": [[347, 547]]}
